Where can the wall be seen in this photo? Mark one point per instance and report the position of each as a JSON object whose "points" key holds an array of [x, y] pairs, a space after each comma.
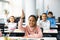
{"points": [[54, 6]]}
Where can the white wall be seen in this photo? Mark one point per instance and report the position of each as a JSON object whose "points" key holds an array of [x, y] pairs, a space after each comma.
{"points": [[54, 6], [39, 6], [14, 7]]}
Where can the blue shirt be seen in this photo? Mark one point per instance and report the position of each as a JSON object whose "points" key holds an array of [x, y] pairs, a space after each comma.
{"points": [[52, 22], [46, 11]]}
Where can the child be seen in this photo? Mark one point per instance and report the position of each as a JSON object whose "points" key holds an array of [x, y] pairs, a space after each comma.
{"points": [[51, 19], [31, 30], [44, 23], [11, 25]]}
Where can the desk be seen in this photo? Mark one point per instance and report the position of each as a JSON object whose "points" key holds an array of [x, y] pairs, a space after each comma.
{"points": [[1, 38], [58, 26], [20, 38], [50, 38], [52, 32], [15, 33], [58, 23]]}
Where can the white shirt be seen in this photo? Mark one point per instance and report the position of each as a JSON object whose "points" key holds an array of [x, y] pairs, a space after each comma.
{"points": [[11, 26], [44, 24]]}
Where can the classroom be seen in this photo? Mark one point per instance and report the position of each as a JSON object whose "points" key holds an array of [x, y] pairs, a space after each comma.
{"points": [[29, 19]]}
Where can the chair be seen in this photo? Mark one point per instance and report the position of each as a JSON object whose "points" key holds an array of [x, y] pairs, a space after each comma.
{"points": [[58, 36], [59, 19], [2, 27]]}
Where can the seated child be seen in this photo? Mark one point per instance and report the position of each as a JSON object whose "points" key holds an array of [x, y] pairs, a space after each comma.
{"points": [[51, 19], [11, 25], [44, 23]]}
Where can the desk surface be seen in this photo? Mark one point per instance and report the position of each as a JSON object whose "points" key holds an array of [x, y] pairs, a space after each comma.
{"points": [[50, 31], [58, 23], [54, 26], [20, 38], [44, 31], [16, 31], [50, 38]]}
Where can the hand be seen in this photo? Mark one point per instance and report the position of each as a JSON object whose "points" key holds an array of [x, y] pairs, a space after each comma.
{"points": [[38, 16]]}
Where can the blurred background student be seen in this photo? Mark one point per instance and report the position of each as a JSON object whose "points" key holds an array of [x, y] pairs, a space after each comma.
{"points": [[44, 23], [51, 19], [11, 24]]}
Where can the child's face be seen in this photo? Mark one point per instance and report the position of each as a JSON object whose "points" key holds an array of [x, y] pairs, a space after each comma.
{"points": [[44, 17], [32, 22], [50, 15], [11, 19]]}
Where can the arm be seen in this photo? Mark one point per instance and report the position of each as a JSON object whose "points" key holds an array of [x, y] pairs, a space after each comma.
{"points": [[48, 26], [53, 22], [20, 24], [21, 21], [38, 21]]}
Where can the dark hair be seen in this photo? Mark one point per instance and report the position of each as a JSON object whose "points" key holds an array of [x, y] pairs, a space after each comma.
{"points": [[45, 14], [33, 16], [13, 17], [50, 13], [9, 18]]}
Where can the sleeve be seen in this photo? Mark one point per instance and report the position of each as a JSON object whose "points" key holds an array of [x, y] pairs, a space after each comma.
{"points": [[20, 27], [46, 11], [38, 21], [48, 26], [53, 22], [41, 24]]}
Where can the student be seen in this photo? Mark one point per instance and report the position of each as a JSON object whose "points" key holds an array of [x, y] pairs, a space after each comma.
{"points": [[11, 24], [51, 19], [44, 23], [31, 30]]}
